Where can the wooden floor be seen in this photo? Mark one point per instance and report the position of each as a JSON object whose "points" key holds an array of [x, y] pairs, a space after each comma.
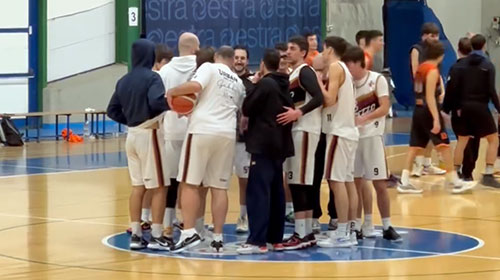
{"points": [[51, 227]]}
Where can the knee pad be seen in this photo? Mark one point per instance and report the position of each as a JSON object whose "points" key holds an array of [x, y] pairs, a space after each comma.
{"points": [[172, 193], [300, 197]]}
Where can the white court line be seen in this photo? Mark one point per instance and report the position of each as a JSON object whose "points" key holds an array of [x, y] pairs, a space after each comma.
{"points": [[61, 220], [63, 172], [35, 167]]}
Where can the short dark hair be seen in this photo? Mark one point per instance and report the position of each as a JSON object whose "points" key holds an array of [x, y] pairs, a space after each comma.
{"points": [[205, 54], [434, 49], [361, 35], [372, 34], [281, 46], [271, 59], [464, 46], [308, 34], [478, 42], [429, 28], [225, 52], [338, 44], [301, 42], [354, 54], [163, 52], [241, 47]]}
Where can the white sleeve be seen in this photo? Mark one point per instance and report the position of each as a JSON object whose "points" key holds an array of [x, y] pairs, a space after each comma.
{"points": [[382, 88], [203, 75]]}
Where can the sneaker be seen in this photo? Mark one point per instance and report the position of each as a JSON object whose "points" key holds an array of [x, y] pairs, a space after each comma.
{"points": [[393, 181], [462, 187], [409, 189], [332, 225], [310, 240], [417, 170], [211, 227], [290, 218], [217, 246], [353, 238], [179, 225], [433, 170], [242, 225], [316, 226], [391, 235], [336, 242], [368, 231], [248, 249], [185, 244], [294, 243], [278, 247], [162, 243], [137, 243], [490, 182], [359, 235]]}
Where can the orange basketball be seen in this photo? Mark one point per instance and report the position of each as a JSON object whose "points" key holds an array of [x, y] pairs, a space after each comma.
{"points": [[184, 104]]}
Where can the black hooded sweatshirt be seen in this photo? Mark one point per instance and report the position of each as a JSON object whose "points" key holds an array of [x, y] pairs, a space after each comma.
{"points": [[262, 105], [140, 94]]}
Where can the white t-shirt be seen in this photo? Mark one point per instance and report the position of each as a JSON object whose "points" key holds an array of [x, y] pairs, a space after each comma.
{"points": [[218, 103], [368, 91], [339, 119]]}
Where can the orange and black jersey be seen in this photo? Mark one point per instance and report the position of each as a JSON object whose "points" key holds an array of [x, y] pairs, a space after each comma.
{"points": [[420, 83]]}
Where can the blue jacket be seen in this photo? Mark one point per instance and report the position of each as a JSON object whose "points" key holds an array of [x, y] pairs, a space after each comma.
{"points": [[140, 94]]}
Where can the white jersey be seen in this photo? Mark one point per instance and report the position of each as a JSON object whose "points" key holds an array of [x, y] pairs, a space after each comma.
{"points": [[310, 122], [178, 71], [368, 91], [339, 119], [218, 103]]}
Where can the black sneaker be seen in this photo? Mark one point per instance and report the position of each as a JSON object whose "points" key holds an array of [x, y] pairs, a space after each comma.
{"points": [[162, 243], [217, 246], [137, 243], [332, 225], [185, 244], [490, 182], [391, 235], [359, 234], [310, 240]]}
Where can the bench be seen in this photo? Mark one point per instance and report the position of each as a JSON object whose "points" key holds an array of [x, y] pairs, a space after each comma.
{"points": [[68, 114]]}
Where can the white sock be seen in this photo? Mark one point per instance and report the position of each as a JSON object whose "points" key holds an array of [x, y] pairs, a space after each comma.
{"points": [[357, 226], [218, 237], [497, 163], [168, 217], [368, 220], [187, 233], [156, 230], [243, 211], [419, 160], [342, 229], [386, 223], [405, 177], [289, 207], [427, 161], [300, 227], [200, 224], [489, 169], [309, 225], [452, 177], [145, 213], [136, 228], [335, 221]]}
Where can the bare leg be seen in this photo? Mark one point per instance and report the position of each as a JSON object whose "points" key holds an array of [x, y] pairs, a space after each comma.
{"points": [[146, 201], [219, 208], [135, 203], [341, 200], [191, 202], [158, 204], [459, 150], [353, 200], [359, 189], [383, 200], [491, 154]]}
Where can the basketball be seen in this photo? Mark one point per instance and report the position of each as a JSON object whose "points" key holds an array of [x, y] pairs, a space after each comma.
{"points": [[184, 104]]}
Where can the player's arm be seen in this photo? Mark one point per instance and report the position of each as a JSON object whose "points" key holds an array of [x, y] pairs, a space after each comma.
{"points": [[115, 110], [492, 89], [382, 90], [185, 89], [336, 73], [414, 61], [430, 90], [441, 96], [452, 93]]}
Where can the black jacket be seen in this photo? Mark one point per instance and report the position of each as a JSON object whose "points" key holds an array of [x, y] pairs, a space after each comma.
{"points": [[262, 106], [471, 81], [140, 94]]}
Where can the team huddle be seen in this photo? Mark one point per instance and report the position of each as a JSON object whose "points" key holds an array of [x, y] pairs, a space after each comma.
{"points": [[303, 117]]}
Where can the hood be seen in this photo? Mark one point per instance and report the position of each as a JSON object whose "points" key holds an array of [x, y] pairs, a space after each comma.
{"points": [[476, 59], [281, 79], [183, 64], [143, 54]]}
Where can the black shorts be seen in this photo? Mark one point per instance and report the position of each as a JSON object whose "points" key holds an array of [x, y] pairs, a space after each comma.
{"points": [[475, 120], [421, 126]]}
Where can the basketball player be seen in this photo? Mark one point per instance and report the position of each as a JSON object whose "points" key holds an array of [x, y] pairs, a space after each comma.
{"points": [[423, 161], [342, 139], [162, 56], [473, 81], [312, 40], [178, 71], [139, 103], [360, 38], [374, 43], [308, 98], [284, 65], [241, 156], [427, 123], [208, 150], [372, 97]]}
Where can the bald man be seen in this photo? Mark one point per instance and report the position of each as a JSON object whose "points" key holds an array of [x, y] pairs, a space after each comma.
{"points": [[178, 71]]}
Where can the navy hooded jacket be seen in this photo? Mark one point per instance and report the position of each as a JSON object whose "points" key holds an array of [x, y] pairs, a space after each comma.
{"points": [[140, 94]]}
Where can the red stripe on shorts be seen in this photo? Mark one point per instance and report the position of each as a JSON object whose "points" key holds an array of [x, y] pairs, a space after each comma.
{"points": [[157, 155], [187, 156]]}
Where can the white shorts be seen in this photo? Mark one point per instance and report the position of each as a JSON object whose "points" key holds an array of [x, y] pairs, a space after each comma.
{"points": [[173, 151], [241, 161], [300, 168], [146, 157], [206, 159], [339, 159], [370, 162]]}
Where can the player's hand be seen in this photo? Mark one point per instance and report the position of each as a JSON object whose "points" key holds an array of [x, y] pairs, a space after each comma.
{"points": [[436, 127], [257, 77], [360, 120], [243, 124], [459, 113], [289, 116]]}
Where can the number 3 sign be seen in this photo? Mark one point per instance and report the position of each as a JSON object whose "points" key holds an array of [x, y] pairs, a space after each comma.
{"points": [[133, 16]]}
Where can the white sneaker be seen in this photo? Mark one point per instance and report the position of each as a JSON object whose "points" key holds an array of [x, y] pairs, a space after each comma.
{"points": [[417, 169], [248, 249], [409, 189], [354, 239], [368, 231], [336, 242], [242, 225], [316, 226], [462, 187], [432, 170], [211, 227]]}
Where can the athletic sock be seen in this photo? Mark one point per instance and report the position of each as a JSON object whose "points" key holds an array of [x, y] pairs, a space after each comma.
{"points": [[357, 226], [309, 227], [243, 211], [289, 207], [458, 168], [368, 220], [156, 230], [419, 160], [300, 227], [342, 229], [427, 161], [218, 237], [200, 224], [136, 228], [405, 177], [145, 213], [386, 223], [489, 169], [452, 177], [168, 217]]}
